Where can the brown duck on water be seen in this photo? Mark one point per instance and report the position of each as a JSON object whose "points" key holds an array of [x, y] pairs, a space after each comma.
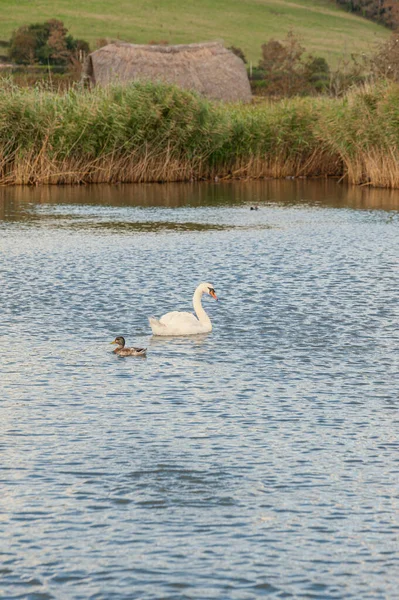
{"points": [[121, 350]]}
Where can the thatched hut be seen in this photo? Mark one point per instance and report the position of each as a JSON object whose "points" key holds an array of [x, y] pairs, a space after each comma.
{"points": [[209, 69]]}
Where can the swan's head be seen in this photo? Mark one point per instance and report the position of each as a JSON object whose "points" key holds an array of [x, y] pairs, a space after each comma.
{"points": [[119, 341], [207, 288]]}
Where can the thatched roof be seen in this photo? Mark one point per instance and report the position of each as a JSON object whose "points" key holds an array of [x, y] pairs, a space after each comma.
{"points": [[209, 68]]}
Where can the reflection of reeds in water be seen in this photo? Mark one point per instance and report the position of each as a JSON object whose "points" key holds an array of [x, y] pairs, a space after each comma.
{"points": [[153, 133], [21, 203]]}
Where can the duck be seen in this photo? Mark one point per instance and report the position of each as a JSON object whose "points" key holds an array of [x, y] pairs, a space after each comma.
{"points": [[121, 350], [184, 323]]}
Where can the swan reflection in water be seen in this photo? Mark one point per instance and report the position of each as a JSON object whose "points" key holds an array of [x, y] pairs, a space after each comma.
{"points": [[184, 341]]}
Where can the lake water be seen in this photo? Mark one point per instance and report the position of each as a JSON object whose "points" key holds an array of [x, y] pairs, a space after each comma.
{"points": [[261, 460]]}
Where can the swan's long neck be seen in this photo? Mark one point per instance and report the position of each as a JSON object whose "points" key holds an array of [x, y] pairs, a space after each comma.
{"points": [[199, 311]]}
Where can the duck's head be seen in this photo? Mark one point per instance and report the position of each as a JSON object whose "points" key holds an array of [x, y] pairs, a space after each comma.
{"points": [[119, 341], [207, 288]]}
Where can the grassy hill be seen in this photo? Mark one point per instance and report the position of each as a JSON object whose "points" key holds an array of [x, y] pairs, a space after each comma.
{"points": [[324, 29]]}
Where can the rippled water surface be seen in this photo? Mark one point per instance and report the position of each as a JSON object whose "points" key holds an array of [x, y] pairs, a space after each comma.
{"points": [[261, 460]]}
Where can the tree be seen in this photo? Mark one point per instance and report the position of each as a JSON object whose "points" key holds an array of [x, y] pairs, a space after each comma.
{"points": [[57, 43], [391, 13], [282, 66], [381, 11], [22, 46], [45, 43]]}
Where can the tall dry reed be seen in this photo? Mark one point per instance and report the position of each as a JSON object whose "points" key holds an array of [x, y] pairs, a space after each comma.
{"points": [[149, 132]]}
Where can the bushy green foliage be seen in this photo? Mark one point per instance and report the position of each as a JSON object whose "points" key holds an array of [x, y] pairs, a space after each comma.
{"points": [[282, 66], [286, 70], [317, 73], [147, 121], [95, 123], [45, 43]]}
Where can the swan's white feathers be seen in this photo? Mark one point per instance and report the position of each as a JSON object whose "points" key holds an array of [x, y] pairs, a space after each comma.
{"points": [[171, 318], [185, 323], [156, 325], [154, 321]]}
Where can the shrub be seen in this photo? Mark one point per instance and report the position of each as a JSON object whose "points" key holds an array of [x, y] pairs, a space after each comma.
{"points": [[287, 73], [45, 43], [281, 64], [317, 73]]}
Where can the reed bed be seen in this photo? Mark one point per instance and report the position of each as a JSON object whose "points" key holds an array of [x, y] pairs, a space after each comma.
{"points": [[150, 132]]}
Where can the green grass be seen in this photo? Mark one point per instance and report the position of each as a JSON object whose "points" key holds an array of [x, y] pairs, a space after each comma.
{"points": [[325, 29]]}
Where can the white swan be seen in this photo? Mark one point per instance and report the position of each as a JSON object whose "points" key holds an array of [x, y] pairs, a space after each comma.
{"points": [[184, 323]]}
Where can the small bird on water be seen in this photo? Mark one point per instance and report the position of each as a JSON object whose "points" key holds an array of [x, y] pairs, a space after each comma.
{"points": [[121, 350]]}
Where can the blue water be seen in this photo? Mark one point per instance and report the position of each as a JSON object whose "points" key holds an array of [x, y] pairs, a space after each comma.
{"points": [[261, 460]]}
